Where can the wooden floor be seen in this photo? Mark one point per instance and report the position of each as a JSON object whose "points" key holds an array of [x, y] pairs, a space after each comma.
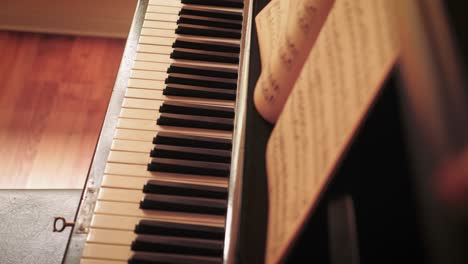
{"points": [[54, 92]]}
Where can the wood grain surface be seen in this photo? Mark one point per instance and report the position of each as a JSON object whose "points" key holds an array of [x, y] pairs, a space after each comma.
{"points": [[54, 92]]}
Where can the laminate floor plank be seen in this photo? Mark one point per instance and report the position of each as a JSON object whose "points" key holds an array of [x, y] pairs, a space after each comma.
{"points": [[54, 93]]}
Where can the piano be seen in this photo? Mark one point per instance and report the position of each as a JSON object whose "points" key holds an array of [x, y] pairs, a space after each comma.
{"points": [[179, 175]]}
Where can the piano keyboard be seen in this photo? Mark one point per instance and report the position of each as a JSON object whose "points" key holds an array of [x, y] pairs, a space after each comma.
{"points": [[164, 192]]}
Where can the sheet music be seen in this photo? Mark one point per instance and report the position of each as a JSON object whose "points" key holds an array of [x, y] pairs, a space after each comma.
{"points": [[354, 52], [287, 30]]}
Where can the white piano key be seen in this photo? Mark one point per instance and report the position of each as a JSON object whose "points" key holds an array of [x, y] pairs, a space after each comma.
{"points": [[124, 182], [135, 135], [162, 9], [147, 48], [162, 58], [133, 209], [146, 84], [150, 99], [151, 66], [112, 237], [156, 36], [120, 195], [138, 113], [150, 125], [161, 17], [100, 261], [149, 75], [133, 170], [174, 3], [110, 252], [128, 157], [166, 33], [179, 4], [153, 57], [137, 183], [130, 145]]}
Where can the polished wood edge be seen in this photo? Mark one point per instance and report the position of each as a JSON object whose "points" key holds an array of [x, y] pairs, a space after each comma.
{"points": [[237, 161], [88, 199]]}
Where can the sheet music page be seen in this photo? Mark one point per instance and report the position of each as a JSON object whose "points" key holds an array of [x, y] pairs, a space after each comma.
{"points": [[354, 52], [287, 31]]}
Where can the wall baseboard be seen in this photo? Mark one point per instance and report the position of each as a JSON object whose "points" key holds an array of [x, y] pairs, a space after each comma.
{"points": [[102, 18]]}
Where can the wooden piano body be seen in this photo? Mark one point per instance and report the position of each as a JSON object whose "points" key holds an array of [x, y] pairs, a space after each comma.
{"points": [[389, 201]]}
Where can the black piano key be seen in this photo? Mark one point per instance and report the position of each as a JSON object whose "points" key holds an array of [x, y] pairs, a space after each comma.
{"points": [[184, 55], [160, 258], [161, 151], [185, 189], [221, 3], [192, 141], [200, 83], [184, 30], [178, 245], [175, 203], [202, 72], [185, 169], [201, 122], [171, 91], [210, 46], [154, 227], [212, 13], [209, 23], [193, 109]]}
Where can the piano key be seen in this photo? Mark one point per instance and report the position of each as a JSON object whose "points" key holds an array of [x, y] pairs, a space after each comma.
{"points": [[167, 37], [133, 209], [109, 252], [120, 195], [130, 223], [141, 171], [217, 94], [213, 23], [137, 183], [159, 24], [131, 145], [177, 245], [200, 45], [113, 237], [188, 121], [178, 4], [199, 56], [138, 113], [179, 229], [200, 83], [160, 49], [146, 84], [150, 66], [150, 99], [192, 141], [100, 261], [184, 29], [183, 153], [161, 17], [194, 109], [189, 167], [134, 135], [183, 204], [236, 16], [174, 124], [163, 75], [159, 258], [161, 58], [185, 189], [202, 71], [128, 157], [162, 9], [223, 3]]}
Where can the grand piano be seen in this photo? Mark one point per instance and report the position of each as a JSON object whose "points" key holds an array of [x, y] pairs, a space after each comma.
{"points": [[209, 201]]}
